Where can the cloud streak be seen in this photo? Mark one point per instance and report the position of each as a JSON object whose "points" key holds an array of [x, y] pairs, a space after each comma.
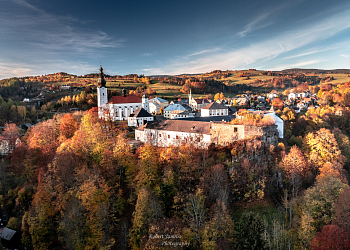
{"points": [[256, 24], [264, 50]]}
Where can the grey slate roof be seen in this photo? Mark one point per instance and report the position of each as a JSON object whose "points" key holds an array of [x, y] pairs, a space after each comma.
{"points": [[7, 233], [180, 126]]}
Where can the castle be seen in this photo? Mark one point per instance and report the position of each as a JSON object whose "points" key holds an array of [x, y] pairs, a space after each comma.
{"points": [[201, 134]]}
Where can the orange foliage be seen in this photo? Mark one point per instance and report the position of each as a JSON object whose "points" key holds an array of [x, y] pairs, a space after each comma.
{"points": [[331, 170], [68, 126], [331, 237], [294, 162]]}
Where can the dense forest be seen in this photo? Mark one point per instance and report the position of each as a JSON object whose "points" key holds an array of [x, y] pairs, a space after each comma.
{"points": [[74, 182]]}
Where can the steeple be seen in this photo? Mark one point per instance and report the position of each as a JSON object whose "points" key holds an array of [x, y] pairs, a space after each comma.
{"points": [[101, 80], [190, 97]]}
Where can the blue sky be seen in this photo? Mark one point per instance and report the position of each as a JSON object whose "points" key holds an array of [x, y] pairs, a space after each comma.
{"points": [[171, 37]]}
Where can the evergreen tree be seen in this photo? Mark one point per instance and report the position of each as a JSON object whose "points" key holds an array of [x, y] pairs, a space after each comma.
{"points": [[248, 232]]}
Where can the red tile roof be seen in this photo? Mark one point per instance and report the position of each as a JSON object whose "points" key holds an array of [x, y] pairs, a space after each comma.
{"points": [[126, 99], [199, 101]]}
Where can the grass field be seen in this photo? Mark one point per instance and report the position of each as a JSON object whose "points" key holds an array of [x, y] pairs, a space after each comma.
{"points": [[338, 78]]}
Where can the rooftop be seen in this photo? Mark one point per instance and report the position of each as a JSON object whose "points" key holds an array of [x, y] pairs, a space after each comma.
{"points": [[140, 112], [180, 126], [215, 105], [125, 99]]}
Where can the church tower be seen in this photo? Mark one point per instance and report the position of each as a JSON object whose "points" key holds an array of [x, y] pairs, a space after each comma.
{"points": [[145, 104], [102, 98], [190, 98]]}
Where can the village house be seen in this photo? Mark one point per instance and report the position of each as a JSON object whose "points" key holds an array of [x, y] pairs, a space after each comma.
{"points": [[272, 95], [292, 96], [139, 117], [179, 114], [154, 107], [161, 102], [5, 145], [214, 109], [173, 107]]}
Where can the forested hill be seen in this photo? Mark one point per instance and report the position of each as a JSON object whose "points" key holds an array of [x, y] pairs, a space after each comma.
{"points": [[75, 183]]}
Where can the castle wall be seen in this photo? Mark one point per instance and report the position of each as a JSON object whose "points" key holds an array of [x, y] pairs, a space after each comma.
{"points": [[224, 133]]}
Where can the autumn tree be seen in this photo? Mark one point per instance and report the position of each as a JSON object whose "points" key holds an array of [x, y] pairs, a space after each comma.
{"points": [[319, 202], [11, 133], [322, 147], [68, 126], [277, 103], [342, 211], [331, 237], [295, 166]]}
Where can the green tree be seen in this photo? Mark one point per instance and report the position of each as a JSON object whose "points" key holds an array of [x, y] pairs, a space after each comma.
{"points": [[248, 232]]}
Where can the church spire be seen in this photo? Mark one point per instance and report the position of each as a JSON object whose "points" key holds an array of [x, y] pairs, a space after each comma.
{"points": [[101, 80]]}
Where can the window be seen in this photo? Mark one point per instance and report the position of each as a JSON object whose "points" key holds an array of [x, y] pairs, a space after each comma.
{"points": [[160, 135], [169, 136], [235, 130]]}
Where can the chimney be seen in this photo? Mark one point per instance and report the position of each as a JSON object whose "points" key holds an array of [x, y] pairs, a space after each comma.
{"points": [[124, 92]]}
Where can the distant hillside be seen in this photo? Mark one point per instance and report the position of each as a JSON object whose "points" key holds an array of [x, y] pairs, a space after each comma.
{"points": [[316, 71]]}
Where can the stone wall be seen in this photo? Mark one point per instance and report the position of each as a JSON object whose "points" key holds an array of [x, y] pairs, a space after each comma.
{"points": [[224, 133], [269, 134]]}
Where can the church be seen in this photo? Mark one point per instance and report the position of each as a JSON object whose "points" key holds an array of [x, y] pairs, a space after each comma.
{"points": [[119, 108]]}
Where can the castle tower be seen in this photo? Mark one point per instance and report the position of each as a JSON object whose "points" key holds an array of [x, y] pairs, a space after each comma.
{"points": [[102, 98], [145, 104]]}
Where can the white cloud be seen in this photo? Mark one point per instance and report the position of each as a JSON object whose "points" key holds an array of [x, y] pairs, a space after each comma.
{"points": [[264, 50], [295, 65], [256, 24]]}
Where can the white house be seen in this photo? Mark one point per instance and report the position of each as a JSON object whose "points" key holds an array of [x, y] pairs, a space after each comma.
{"points": [[304, 94], [179, 114], [172, 107], [278, 121], [5, 147], [154, 107], [139, 117], [163, 103], [292, 96], [214, 109], [65, 87], [272, 95], [261, 98]]}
